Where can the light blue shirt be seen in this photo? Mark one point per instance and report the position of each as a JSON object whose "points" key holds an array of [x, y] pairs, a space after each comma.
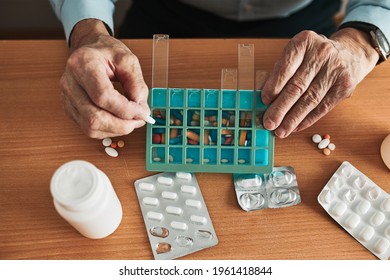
{"points": [[376, 12]]}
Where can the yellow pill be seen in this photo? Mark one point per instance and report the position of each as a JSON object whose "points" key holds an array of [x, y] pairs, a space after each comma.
{"points": [[195, 117], [326, 151]]}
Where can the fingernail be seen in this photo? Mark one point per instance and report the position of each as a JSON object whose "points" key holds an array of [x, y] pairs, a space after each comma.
{"points": [[280, 132], [265, 99], [269, 124]]}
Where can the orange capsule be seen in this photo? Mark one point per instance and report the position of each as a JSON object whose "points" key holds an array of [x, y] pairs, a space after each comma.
{"points": [[113, 145], [192, 142], [242, 137], [227, 132], [173, 133], [193, 136]]}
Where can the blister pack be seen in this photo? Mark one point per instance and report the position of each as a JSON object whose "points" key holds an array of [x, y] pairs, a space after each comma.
{"points": [[360, 206], [274, 190], [175, 215]]}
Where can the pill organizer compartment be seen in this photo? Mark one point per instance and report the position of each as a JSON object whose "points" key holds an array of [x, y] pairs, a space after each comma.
{"points": [[208, 130], [360, 206]]}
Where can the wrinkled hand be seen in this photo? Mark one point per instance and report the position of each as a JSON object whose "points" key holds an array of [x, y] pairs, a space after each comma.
{"points": [[312, 76], [88, 93]]}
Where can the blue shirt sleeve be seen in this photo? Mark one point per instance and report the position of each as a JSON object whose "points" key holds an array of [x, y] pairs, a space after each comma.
{"points": [[70, 12], [376, 12]]}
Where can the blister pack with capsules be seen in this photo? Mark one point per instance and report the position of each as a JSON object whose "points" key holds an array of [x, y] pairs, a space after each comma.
{"points": [[360, 206]]}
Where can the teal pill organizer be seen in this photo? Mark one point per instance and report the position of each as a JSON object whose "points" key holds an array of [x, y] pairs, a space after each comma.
{"points": [[208, 130]]}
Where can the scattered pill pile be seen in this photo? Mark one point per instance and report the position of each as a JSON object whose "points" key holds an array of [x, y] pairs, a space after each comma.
{"points": [[111, 146], [324, 143]]}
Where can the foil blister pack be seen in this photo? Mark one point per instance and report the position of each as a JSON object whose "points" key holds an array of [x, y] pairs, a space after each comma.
{"points": [[272, 190], [360, 206], [175, 215]]}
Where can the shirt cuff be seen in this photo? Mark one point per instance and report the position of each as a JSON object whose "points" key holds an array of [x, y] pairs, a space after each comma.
{"points": [[74, 11], [374, 15]]}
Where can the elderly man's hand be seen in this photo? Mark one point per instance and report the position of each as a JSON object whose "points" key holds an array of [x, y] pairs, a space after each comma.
{"points": [[88, 93], [313, 75]]}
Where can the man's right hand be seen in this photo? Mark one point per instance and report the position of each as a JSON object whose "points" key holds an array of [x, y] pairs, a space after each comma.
{"points": [[88, 93]]}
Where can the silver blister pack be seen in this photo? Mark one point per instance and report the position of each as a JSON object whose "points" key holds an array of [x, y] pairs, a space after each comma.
{"points": [[274, 190], [175, 215], [360, 206]]}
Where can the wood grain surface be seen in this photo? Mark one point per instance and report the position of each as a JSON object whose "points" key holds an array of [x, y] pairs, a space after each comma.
{"points": [[37, 137]]}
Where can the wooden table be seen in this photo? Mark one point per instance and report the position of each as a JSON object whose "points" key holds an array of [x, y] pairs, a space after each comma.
{"points": [[37, 137]]}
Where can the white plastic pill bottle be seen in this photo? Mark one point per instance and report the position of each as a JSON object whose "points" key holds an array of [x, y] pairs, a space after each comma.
{"points": [[83, 196]]}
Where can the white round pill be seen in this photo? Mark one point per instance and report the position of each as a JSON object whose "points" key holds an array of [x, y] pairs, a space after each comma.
{"points": [[198, 220], [144, 186], [184, 175], [111, 152], [152, 201], [323, 144], [174, 210], [193, 203], [150, 120], [366, 233], [339, 209], [169, 195], [377, 219], [331, 146], [381, 246], [386, 205], [363, 207], [188, 189], [154, 216], [165, 180], [352, 221], [316, 138], [179, 225], [107, 142]]}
